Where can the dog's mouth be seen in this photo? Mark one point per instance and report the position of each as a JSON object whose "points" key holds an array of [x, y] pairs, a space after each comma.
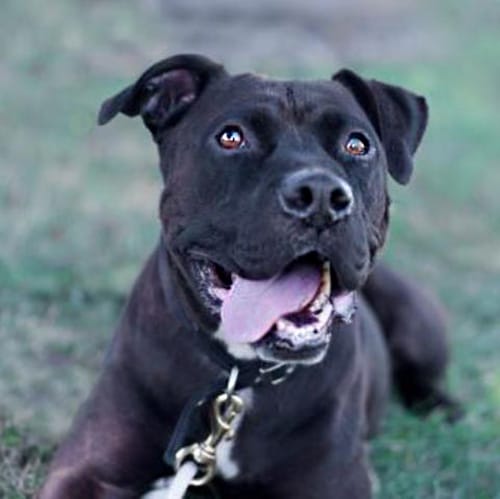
{"points": [[286, 318]]}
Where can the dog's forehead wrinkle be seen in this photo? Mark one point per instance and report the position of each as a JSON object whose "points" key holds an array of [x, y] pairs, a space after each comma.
{"points": [[249, 87], [292, 102]]}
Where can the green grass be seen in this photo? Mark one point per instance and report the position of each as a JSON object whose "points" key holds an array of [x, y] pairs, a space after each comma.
{"points": [[22, 462], [79, 208]]}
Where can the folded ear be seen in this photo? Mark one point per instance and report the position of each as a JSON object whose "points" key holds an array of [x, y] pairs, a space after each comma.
{"points": [[399, 117], [163, 92]]}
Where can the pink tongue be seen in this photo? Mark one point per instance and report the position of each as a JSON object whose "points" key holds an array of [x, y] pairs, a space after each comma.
{"points": [[252, 307]]}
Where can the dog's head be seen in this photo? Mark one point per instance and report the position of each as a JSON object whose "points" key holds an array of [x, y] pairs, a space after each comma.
{"points": [[275, 200]]}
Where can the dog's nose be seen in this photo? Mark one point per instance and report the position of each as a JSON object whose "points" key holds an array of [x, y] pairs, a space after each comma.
{"points": [[312, 193]]}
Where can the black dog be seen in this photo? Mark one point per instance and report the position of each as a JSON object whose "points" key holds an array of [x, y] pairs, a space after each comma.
{"points": [[274, 208]]}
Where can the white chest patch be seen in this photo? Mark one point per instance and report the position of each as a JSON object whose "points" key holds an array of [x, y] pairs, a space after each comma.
{"points": [[239, 350], [227, 467]]}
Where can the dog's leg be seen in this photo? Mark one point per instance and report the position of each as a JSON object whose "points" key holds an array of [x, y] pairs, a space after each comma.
{"points": [[114, 450], [415, 329], [79, 483]]}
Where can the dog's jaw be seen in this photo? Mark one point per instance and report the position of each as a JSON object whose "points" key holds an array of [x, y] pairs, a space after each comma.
{"points": [[301, 337]]}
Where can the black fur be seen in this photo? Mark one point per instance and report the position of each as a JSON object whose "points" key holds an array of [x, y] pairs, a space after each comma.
{"points": [[305, 438]]}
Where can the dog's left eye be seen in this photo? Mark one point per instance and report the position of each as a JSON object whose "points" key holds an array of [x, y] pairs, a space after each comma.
{"points": [[231, 137], [357, 145]]}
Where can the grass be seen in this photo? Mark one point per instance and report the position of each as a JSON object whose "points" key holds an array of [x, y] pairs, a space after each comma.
{"points": [[79, 216], [22, 462]]}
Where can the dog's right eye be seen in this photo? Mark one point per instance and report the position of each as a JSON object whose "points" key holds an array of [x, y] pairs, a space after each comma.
{"points": [[231, 137]]}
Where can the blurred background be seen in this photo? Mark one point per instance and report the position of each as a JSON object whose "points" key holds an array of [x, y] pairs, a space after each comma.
{"points": [[78, 204]]}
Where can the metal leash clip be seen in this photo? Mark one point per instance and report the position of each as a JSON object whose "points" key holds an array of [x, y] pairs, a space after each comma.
{"points": [[225, 408]]}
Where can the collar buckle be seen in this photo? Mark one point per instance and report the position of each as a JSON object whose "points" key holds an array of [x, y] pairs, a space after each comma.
{"points": [[275, 373]]}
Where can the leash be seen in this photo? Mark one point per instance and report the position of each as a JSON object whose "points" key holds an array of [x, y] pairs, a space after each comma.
{"points": [[182, 481], [191, 454]]}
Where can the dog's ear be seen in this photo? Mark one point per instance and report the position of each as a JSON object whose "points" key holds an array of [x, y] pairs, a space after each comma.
{"points": [[163, 92], [399, 117]]}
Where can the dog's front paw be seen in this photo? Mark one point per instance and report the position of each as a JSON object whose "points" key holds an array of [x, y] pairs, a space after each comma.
{"points": [[436, 400]]}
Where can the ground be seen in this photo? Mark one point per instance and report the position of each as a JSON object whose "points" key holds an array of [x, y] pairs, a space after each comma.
{"points": [[79, 203]]}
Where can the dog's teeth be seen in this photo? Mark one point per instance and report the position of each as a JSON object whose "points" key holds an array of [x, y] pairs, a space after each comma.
{"points": [[324, 291], [282, 324], [319, 302], [316, 307], [285, 326], [324, 316], [322, 309], [326, 286], [309, 330]]}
